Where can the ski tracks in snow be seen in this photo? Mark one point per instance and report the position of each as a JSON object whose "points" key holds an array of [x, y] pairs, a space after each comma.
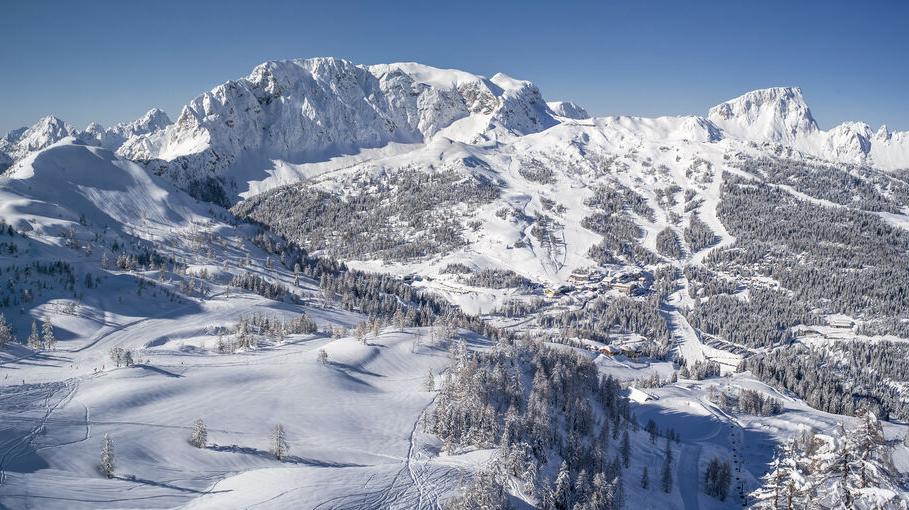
{"points": [[17, 447]]}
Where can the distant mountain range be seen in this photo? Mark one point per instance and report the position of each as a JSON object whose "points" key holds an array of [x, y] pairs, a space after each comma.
{"points": [[308, 111]]}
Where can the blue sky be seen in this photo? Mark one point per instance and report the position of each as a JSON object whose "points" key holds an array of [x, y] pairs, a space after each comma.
{"points": [[112, 61]]}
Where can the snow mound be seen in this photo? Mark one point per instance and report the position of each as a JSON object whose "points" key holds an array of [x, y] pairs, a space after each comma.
{"points": [[568, 110]]}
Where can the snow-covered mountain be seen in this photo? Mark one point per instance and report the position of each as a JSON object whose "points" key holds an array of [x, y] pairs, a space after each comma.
{"points": [[113, 137], [776, 114], [450, 293], [569, 110], [305, 111], [22, 142], [781, 115]]}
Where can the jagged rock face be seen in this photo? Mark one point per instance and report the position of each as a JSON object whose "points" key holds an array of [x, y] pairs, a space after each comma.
{"points": [[299, 109], [5, 162], [309, 110], [777, 114], [113, 137], [851, 140]]}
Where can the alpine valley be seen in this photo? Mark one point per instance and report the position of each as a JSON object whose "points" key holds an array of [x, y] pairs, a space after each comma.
{"points": [[339, 286]]}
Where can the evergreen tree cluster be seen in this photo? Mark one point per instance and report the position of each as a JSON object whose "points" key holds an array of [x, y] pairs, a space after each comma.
{"points": [[393, 216], [542, 408], [263, 287], [717, 478], [844, 259], [667, 244], [698, 234], [838, 380], [602, 315], [497, 279], [765, 319], [703, 282], [849, 185], [756, 403]]}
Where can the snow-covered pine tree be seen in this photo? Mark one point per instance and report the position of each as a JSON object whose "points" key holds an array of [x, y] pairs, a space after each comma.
{"points": [[34, 339], [626, 449], [666, 478], [783, 485], [399, 320], [6, 333], [645, 479], [562, 493], [361, 332], [873, 461], [47, 332], [199, 435], [322, 357], [279, 442], [430, 382], [851, 469], [107, 457], [416, 341]]}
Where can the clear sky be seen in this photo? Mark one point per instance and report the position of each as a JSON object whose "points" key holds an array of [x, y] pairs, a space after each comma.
{"points": [[112, 61]]}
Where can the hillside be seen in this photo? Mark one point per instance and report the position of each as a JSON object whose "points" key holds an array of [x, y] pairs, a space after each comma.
{"points": [[451, 293]]}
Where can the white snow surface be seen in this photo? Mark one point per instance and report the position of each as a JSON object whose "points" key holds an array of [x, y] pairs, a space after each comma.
{"points": [[354, 424]]}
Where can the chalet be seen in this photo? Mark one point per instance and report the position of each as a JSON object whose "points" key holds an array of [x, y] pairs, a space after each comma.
{"points": [[633, 351], [639, 396], [577, 278], [557, 291], [624, 288], [610, 350], [840, 323]]}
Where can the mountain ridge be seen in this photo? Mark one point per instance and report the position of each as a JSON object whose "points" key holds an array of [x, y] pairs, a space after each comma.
{"points": [[302, 111]]}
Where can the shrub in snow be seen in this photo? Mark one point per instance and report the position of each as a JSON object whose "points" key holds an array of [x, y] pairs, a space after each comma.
{"points": [[199, 435]]}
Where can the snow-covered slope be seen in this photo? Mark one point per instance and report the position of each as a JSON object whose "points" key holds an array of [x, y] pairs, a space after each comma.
{"points": [[71, 181]]}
